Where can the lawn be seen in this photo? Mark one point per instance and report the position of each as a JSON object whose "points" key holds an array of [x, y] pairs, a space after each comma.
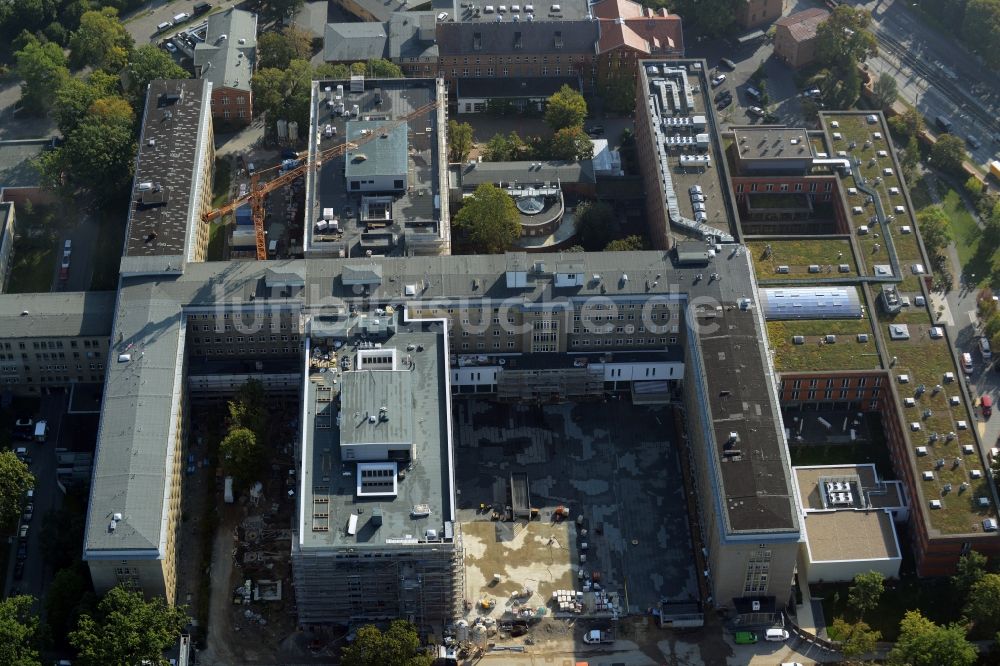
{"points": [[35, 252], [964, 230], [222, 185], [216, 242], [844, 354], [799, 254], [108, 250]]}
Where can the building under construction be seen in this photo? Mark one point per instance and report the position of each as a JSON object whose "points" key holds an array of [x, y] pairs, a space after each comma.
{"points": [[376, 535]]}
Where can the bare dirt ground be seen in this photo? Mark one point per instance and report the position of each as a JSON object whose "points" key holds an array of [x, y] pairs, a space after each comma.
{"points": [[222, 640]]}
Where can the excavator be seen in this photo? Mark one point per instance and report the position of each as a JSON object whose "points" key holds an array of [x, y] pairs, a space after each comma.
{"points": [[259, 189]]}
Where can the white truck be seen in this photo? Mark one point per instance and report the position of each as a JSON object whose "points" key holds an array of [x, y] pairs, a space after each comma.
{"points": [[597, 636], [41, 431]]}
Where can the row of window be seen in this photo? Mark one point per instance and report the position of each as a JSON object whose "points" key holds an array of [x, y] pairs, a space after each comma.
{"points": [[240, 99], [811, 394], [239, 339], [845, 382], [513, 59], [212, 351], [783, 187], [52, 344]]}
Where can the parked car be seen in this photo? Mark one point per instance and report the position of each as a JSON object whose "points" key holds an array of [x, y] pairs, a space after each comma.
{"points": [[755, 111], [595, 130], [724, 102], [718, 79], [19, 570], [22, 551], [973, 142], [180, 18], [719, 96], [745, 638], [29, 512], [201, 8], [25, 423], [169, 46], [727, 63]]}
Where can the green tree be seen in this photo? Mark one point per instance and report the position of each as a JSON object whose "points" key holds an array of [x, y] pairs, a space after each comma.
{"points": [[42, 68], [397, 646], [565, 108], [990, 235], [923, 643], [866, 591], [856, 639], [15, 479], [279, 49], [983, 605], [284, 93], [242, 455], [948, 153], [76, 96], [148, 62], [627, 244], [332, 71], [935, 228], [67, 597], [571, 143], [100, 41], [127, 629], [991, 328], [907, 124], [503, 148], [98, 155], [596, 225], [844, 37], [910, 158], [981, 29], [383, 69], [248, 409], [489, 220], [19, 635], [712, 18], [885, 90], [459, 141], [278, 10], [974, 187]]}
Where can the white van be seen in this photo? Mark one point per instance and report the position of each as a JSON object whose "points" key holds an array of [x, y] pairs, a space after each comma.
{"points": [[180, 18], [776, 635], [984, 348], [967, 363]]}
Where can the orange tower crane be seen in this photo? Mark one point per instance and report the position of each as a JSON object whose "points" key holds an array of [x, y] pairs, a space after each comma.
{"points": [[259, 190]]}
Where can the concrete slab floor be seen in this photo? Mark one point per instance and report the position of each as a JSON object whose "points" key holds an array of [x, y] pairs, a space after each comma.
{"points": [[613, 463]]}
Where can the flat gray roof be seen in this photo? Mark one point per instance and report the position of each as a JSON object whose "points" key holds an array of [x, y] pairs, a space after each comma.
{"points": [[772, 143], [364, 394], [505, 173], [57, 314], [329, 483], [169, 169], [17, 168], [385, 155]]}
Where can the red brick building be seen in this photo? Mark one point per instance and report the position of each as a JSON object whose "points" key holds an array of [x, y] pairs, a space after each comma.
{"points": [[757, 13], [795, 36]]}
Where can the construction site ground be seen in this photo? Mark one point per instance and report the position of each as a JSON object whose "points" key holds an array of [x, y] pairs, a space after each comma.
{"points": [[611, 463]]}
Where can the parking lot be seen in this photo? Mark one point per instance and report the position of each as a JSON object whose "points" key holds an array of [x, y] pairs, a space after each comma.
{"points": [[621, 491], [785, 102]]}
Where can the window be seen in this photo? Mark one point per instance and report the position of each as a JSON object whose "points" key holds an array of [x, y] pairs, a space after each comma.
{"points": [[241, 100], [225, 101], [758, 568]]}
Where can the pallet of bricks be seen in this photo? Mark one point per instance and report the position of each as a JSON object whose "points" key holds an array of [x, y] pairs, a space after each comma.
{"points": [[568, 601]]}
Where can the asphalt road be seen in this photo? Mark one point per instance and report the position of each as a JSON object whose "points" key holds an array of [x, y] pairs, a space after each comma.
{"points": [[935, 74], [47, 497]]}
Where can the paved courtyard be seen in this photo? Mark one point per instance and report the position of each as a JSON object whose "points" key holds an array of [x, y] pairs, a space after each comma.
{"points": [[613, 464]]}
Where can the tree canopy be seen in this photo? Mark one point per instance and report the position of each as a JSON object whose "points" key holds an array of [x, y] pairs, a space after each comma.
{"points": [[15, 479], [42, 68], [100, 41], [712, 18], [279, 49], [981, 29], [596, 225], [570, 143], [242, 455], [126, 629], [397, 646], [866, 591], [935, 228], [459, 141], [489, 220], [844, 37], [948, 153], [627, 244], [565, 108], [885, 90], [504, 148], [283, 94], [67, 597], [924, 643], [149, 62], [983, 605], [856, 639], [19, 635]]}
